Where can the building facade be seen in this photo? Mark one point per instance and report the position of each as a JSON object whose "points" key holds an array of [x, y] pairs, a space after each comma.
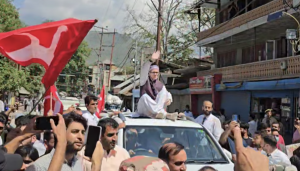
{"points": [[259, 66]]}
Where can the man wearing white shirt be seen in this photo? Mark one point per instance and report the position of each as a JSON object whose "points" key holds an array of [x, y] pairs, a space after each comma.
{"points": [[276, 157], [252, 125], [187, 112], [209, 121], [91, 105]]}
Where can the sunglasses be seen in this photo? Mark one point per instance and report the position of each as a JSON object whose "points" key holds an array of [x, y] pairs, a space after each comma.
{"points": [[154, 72]]}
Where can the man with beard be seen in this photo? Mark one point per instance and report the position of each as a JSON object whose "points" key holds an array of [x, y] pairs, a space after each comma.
{"points": [[113, 154], [76, 126], [209, 121], [257, 140]]}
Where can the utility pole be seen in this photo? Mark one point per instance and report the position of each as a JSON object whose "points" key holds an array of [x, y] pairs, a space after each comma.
{"points": [[98, 62], [134, 75], [111, 56], [159, 27]]}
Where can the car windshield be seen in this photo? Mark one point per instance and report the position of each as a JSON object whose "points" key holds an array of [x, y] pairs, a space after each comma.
{"points": [[147, 140]]}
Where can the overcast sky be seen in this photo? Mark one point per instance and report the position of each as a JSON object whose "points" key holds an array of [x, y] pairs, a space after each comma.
{"points": [[110, 13]]}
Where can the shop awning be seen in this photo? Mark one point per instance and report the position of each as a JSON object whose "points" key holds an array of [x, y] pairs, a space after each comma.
{"points": [[284, 84], [22, 90]]}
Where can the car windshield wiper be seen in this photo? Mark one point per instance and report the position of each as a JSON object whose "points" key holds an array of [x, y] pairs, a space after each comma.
{"points": [[205, 161]]}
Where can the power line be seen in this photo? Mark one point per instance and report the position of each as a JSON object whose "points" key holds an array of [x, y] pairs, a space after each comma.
{"points": [[104, 16]]}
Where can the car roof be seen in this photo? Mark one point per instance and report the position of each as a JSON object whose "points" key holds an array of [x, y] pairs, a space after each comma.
{"points": [[160, 122]]}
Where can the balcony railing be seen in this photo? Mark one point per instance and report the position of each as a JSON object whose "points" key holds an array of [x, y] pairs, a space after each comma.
{"points": [[271, 7], [263, 70]]}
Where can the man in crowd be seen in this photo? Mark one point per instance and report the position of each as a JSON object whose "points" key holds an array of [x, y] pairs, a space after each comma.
{"points": [[76, 126], [187, 112], [257, 140], [91, 102], [3, 122], [252, 125], [269, 119], [174, 155], [209, 121], [49, 141], [270, 150], [113, 154], [245, 133], [227, 139]]}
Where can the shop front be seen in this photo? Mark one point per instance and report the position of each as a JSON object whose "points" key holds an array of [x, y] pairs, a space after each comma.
{"points": [[244, 98]]}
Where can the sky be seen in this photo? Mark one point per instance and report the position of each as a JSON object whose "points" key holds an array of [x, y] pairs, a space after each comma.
{"points": [[109, 13]]}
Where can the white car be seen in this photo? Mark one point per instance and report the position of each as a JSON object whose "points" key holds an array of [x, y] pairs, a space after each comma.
{"points": [[69, 101], [145, 136]]}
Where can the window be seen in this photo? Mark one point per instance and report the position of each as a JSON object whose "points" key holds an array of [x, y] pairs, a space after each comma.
{"points": [[107, 67], [270, 49], [226, 59], [199, 146]]}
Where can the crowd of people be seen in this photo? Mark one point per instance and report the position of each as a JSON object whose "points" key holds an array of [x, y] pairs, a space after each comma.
{"points": [[63, 148]]}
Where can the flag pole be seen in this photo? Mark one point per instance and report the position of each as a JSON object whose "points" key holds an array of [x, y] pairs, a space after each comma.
{"points": [[50, 100], [34, 106]]}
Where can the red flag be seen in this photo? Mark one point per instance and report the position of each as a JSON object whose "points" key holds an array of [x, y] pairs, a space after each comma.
{"points": [[50, 44], [56, 106], [101, 102]]}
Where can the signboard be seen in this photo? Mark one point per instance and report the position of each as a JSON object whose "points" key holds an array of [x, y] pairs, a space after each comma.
{"points": [[197, 82], [200, 82], [200, 85]]}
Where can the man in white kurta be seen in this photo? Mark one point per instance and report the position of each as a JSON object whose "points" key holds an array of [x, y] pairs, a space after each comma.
{"points": [[154, 96]]}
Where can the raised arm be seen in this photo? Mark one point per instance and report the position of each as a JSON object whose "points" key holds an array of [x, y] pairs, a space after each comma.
{"points": [[146, 67]]}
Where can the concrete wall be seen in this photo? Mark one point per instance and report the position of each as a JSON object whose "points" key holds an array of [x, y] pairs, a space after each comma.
{"points": [[236, 102], [179, 102]]}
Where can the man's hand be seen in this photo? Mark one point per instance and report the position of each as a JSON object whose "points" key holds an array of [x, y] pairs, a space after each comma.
{"points": [[98, 154], [71, 108], [29, 128], [131, 152], [60, 129], [247, 158], [155, 56], [50, 113], [232, 125]]}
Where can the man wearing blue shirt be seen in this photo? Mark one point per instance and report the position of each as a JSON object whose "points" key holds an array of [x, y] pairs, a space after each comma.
{"points": [[227, 139]]}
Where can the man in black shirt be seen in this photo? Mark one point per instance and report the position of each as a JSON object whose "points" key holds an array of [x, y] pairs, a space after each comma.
{"points": [[245, 133]]}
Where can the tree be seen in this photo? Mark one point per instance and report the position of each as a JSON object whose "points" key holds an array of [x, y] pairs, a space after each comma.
{"points": [[76, 71], [12, 77], [178, 29]]}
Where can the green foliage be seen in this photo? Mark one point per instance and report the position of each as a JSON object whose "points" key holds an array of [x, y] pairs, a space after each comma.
{"points": [[128, 70], [12, 77], [76, 70], [9, 17]]}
